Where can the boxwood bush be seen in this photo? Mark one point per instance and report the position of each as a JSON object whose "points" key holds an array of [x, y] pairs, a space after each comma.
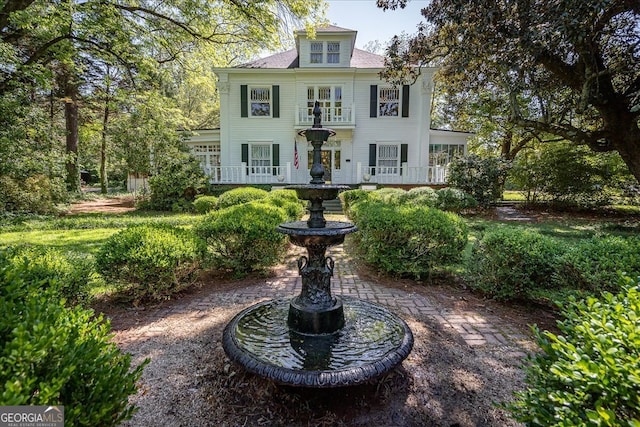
{"points": [[422, 196], [54, 355], [240, 195], [151, 261], [595, 264], [73, 275], [349, 197], [510, 262], [243, 238], [454, 200], [407, 240], [204, 204], [589, 374], [287, 200]]}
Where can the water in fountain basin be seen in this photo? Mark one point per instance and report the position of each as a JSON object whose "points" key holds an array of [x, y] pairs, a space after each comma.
{"points": [[372, 340]]}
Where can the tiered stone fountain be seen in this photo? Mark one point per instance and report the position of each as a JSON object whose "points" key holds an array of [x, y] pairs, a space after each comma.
{"points": [[316, 339]]}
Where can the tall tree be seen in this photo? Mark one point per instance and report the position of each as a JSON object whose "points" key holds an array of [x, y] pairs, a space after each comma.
{"points": [[575, 63], [134, 35]]}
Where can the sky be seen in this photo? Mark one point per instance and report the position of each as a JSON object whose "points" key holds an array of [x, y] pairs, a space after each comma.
{"points": [[371, 22]]}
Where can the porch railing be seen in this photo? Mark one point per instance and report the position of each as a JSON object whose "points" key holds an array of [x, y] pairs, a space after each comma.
{"points": [[245, 174], [401, 175]]}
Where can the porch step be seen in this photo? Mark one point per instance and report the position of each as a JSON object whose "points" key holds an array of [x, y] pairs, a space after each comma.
{"points": [[332, 206]]}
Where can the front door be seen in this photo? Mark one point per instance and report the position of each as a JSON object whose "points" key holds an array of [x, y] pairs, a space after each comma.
{"points": [[326, 156]]}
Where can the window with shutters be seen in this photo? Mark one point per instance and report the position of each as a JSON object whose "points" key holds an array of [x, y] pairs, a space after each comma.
{"points": [[389, 102], [388, 162], [260, 160], [260, 101]]}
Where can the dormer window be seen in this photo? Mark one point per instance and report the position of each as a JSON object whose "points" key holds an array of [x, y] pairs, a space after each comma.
{"points": [[322, 52], [316, 52], [333, 52]]}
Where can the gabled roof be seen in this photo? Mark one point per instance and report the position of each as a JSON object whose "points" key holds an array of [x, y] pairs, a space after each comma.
{"points": [[289, 59]]}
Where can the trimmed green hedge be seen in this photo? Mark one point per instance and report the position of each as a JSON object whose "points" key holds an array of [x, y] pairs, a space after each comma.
{"points": [[153, 261], [243, 238], [204, 204], [589, 374], [407, 240], [240, 195], [509, 262], [72, 274], [54, 355]]}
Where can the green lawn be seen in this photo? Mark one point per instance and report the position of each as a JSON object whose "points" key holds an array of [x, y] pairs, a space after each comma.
{"points": [[86, 232]]}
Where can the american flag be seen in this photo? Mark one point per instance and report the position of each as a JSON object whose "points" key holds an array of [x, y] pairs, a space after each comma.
{"points": [[296, 162]]}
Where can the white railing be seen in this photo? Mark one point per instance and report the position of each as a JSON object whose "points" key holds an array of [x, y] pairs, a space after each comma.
{"points": [[401, 175], [330, 116], [245, 174]]}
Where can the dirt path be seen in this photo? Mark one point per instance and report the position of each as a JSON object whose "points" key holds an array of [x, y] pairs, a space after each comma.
{"points": [[117, 204]]}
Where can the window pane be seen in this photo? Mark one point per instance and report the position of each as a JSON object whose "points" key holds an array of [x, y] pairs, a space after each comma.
{"points": [[316, 47], [389, 101], [388, 159], [260, 98], [333, 46]]}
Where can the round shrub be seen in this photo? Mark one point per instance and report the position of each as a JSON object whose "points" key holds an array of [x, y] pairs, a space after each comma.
{"points": [[54, 355], [287, 200], [388, 195], [72, 274], [240, 195], [595, 264], [204, 204], [454, 200], [589, 374], [509, 262], [157, 260], [349, 197], [421, 196], [243, 238], [407, 240]]}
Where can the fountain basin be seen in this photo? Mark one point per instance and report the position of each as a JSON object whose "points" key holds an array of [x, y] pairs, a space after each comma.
{"points": [[372, 342], [300, 234]]}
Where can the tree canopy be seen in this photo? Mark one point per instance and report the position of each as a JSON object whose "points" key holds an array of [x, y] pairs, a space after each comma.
{"points": [[569, 68]]}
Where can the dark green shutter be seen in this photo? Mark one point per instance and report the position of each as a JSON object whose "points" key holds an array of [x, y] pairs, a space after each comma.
{"points": [[405, 101], [373, 154], [404, 151], [244, 102], [373, 101], [275, 157], [276, 101], [245, 156]]}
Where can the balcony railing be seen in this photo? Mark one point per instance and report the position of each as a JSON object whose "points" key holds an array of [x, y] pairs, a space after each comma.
{"points": [[331, 116]]}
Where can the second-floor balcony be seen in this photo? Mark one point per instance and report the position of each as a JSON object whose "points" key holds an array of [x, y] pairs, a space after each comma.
{"points": [[336, 117]]}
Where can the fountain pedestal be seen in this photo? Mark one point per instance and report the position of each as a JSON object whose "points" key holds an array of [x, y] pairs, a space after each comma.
{"points": [[316, 339]]}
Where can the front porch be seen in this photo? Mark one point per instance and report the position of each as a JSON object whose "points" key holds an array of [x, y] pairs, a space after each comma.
{"points": [[287, 174]]}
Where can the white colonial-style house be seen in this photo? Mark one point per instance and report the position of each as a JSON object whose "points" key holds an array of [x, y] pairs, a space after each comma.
{"points": [[382, 132]]}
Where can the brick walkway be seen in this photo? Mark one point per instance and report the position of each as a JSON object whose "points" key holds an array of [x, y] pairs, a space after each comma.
{"points": [[474, 328]]}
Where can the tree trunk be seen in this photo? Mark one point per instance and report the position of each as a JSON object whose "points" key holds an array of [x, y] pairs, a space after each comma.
{"points": [[103, 150], [628, 146], [71, 121]]}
